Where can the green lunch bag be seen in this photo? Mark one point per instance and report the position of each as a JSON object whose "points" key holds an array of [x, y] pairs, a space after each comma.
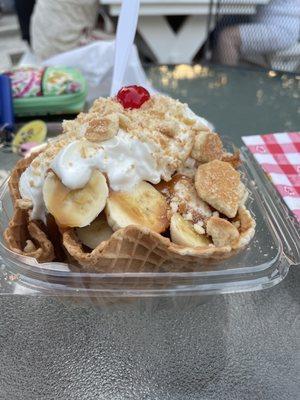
{"points": [[47, 90]]}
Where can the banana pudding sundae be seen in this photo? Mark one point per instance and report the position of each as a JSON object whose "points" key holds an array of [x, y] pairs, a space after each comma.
{"points": [[136, 184]]}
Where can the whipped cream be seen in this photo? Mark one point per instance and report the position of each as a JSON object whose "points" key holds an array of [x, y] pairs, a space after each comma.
{"points": [[31, 187], [126, 162]]}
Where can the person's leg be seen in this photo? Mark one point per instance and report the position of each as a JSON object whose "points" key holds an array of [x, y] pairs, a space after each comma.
{"points": [[228, 46], [24, 10], [228, 21], [264, 38]]}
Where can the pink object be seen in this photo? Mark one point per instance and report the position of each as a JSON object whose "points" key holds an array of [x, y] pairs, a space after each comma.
{"points": [[26, 147], [26, 81], [279, 156]]}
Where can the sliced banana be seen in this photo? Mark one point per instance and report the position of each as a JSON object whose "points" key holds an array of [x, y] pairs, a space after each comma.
{"points": [[75, 208], [95, 233], [144, 206], [183, 233]]}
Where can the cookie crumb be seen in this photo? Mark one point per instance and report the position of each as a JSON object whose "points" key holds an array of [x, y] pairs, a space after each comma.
{"points": [[199, 228], [29, 247], [24, 204]]}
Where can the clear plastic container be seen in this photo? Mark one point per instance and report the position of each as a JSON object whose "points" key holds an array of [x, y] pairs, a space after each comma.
{"points": [[264, 263]]}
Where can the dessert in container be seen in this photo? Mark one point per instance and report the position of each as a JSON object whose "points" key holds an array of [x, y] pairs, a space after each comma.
{"points": [[138, 263], [262, 264]]}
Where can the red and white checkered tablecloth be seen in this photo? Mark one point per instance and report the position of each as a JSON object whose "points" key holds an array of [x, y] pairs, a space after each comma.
{"points": [[279, 156]]}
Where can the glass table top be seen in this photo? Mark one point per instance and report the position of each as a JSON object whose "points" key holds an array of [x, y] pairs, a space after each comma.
{"points": [[237, 101]]}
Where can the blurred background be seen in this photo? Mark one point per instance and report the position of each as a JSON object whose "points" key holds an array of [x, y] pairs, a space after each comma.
{"points": [[258, 33]]}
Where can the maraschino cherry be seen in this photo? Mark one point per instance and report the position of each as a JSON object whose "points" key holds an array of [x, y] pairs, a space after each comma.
{"points": [[133, 96]]}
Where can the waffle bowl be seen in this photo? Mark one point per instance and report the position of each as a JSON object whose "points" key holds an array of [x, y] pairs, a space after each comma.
{"points": [[137, 249], [20, 228], [263, 263], [131, 249]]}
